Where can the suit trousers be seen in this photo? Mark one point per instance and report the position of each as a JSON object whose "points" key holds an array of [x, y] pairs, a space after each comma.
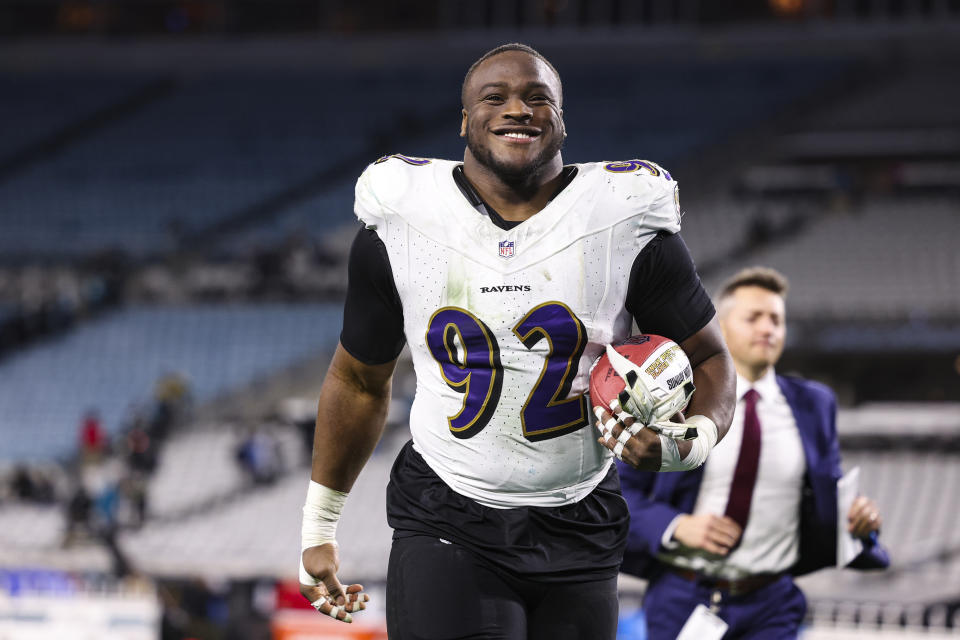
{"points": [[772, 612]]}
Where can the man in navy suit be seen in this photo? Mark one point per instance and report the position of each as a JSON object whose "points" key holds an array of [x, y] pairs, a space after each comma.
{"points": [[732, 534]]}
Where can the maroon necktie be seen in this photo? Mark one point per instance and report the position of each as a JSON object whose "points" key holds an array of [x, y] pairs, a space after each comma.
{"points": [[745, 475]]}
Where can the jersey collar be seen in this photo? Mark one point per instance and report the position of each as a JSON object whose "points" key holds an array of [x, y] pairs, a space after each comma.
{"points": [[568, 174]]}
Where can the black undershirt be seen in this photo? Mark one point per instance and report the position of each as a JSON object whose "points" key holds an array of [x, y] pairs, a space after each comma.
{"points": [[664, 295], [567, 176]]}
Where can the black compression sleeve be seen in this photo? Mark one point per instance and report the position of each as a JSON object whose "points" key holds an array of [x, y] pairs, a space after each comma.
{"points": [[372, 314], [665, 295]]}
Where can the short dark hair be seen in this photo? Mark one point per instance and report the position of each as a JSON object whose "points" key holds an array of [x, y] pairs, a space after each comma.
{"points": [[763, 277], [504, 48]]}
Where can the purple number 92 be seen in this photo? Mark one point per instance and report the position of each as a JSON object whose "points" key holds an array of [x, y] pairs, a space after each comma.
{"points": [[478, 374]]}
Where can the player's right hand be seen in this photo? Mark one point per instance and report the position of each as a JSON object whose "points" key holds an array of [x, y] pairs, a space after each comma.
{"points": [[329, 597], [630, 441], [639, 447], [711, 533]]}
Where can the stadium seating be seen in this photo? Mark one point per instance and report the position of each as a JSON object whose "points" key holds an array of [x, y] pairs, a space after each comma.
{"points": [[113, 363], [216, 145], [264, 526], [665, 110], [917, 91], [889, 259], [715, 229], [38, 105], [919, 529]]}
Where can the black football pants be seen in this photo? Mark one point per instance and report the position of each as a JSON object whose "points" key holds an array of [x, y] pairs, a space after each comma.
{"points": [[440, 591]]}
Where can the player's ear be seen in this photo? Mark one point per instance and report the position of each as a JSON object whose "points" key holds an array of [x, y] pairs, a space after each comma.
{"points": [[564, 124], [463, 123]]}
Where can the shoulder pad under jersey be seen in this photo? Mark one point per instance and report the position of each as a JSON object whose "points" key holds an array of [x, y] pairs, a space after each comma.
{"points": [[384, 183], [643, 188]]}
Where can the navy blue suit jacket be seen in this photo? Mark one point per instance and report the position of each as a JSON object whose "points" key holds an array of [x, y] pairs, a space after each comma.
{"points": [[655, 499]]}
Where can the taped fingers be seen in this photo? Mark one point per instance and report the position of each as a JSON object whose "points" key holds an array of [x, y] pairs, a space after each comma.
{"points": [[353, 600], [609, 425], [324, 606]]}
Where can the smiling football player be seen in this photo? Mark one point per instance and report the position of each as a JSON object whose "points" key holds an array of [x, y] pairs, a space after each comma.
{"points": [[506, 274]]}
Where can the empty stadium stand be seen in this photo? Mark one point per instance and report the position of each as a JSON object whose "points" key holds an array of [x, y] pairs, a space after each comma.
{"points": [[279, 152], [207, 151], [890, 258]]}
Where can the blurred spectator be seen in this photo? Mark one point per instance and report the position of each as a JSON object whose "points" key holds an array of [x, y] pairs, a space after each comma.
{"points": [[100, 479], [141, 454], [92, 437], [141, 460], [78, 516], [134, 487], [22, 484], [187, 609], [259, 456], [301, 413], [31, 485], [173, 398]]}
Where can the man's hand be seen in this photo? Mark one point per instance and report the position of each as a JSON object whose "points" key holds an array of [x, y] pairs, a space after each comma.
{"points": [[640, 450], [711, 533], [329, 597], [864, 517]]}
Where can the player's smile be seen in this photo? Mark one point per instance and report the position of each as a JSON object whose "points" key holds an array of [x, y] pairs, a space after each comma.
{"points": [[517, 135]]}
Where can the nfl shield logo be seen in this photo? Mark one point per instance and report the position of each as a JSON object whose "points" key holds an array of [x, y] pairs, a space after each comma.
{"points": [[506, 249]]}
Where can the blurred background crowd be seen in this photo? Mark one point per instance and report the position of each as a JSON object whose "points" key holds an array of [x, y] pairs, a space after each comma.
{"points": [[176, 186]]}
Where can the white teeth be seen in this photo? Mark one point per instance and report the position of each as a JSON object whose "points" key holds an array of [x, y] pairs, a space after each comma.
{"points": [[518, 135]]}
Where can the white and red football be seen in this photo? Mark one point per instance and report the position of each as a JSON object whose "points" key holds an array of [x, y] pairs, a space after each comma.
{"points": [[659, 374]]}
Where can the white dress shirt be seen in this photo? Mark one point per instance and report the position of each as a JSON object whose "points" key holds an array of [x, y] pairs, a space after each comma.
{"points": [[770, 541]]}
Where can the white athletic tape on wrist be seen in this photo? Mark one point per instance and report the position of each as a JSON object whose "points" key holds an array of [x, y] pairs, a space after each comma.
{"points": [[321, 513], [675, 430], [669, 454], [700, 446]]}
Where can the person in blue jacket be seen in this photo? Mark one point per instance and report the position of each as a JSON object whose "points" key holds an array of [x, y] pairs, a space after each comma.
{"points": [[732, 534]]}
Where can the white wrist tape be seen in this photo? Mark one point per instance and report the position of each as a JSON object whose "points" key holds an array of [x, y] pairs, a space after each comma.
{"points": [[700, 446], [669, 454], [321, 513]]}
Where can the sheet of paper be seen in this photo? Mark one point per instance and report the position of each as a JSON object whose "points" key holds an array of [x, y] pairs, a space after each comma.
{"points": [[848, 488], [703, 625]]}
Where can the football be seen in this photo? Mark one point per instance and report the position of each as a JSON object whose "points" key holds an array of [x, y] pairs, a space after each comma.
{"points": [[657, 371]]}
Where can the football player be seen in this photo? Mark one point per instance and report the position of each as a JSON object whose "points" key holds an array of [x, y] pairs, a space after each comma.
{"points": [[506, 275]]}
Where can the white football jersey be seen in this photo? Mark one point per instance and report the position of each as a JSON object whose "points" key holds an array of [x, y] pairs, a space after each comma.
{"points": [[503, 325]]}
